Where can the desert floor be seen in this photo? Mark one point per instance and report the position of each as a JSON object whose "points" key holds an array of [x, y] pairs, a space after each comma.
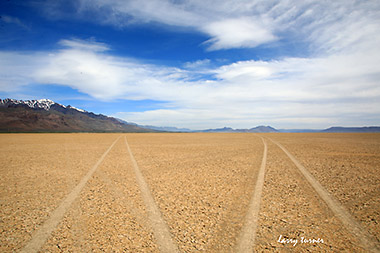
{"points": [[189, 192]]}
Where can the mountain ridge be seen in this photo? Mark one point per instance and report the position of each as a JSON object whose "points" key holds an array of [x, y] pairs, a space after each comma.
{"points": [[338, 129], [269, 129], [257, 129], [45, 115]]}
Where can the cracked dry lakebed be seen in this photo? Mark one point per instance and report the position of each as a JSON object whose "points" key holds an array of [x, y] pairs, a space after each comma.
{"points": [[190, 192]]}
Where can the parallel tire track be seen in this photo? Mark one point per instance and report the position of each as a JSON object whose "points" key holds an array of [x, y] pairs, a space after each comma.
{"points": [[247, 236], [336, 207], [160, 228], [117, 192], [42, 234]]}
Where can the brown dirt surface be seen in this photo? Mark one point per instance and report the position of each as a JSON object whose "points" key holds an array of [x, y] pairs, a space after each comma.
{"points": [[347, 165], [37, 172], [109, 214], [202, 184], [291, 209]]}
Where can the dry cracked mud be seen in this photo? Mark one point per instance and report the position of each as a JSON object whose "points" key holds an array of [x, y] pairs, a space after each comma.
{"points": [[347, 165], [201, 183]]}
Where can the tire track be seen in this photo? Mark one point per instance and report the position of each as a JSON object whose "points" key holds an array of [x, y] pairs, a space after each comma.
{"points": [[42, 234], [247, 236], [336, 207], [118, 193], [160, 228]]}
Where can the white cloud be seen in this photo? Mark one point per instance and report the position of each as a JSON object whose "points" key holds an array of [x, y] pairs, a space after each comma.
{"points": [[237, 33], [85, 67], [16, 69], [246, 70], [96, 75], [197, 64], [84, 45], [294, 92], [121, 13]]}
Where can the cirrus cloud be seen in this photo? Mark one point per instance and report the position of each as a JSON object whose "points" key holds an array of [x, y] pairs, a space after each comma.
{"points": [[325, 26]]}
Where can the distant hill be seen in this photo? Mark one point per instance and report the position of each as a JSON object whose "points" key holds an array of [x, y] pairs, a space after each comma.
{"points": [[45, 115], [166, 128], [218, 130], [299, 130], [258, 129], [269, 129], [371, 129], [263, 129]]}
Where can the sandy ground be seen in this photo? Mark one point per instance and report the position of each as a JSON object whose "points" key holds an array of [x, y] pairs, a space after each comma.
{"points": [[291, 209], [348, 166], [201, 183], [37, 172]]}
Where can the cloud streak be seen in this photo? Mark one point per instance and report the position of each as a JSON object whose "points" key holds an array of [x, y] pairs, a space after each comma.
{"points": [[326, 26], [13, 20]]}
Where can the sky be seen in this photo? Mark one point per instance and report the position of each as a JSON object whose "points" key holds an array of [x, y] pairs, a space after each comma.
{"points": [[198, 64]]}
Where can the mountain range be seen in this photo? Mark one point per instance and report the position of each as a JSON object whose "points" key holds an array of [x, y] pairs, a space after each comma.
{"points": [[258, 129], [45, 115]]}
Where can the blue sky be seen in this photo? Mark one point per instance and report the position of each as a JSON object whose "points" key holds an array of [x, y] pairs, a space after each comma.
{"points": [[198, 64]]}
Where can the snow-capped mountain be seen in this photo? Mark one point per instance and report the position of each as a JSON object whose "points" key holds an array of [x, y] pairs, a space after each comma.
{"points": [[35, 104], [45, 115]]}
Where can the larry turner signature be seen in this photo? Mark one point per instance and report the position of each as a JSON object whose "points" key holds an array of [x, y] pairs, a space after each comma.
{"points": [[294, 241]]}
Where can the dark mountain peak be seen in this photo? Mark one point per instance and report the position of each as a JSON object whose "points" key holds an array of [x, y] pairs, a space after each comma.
{"points": [[45, 115], [263, 129]]}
